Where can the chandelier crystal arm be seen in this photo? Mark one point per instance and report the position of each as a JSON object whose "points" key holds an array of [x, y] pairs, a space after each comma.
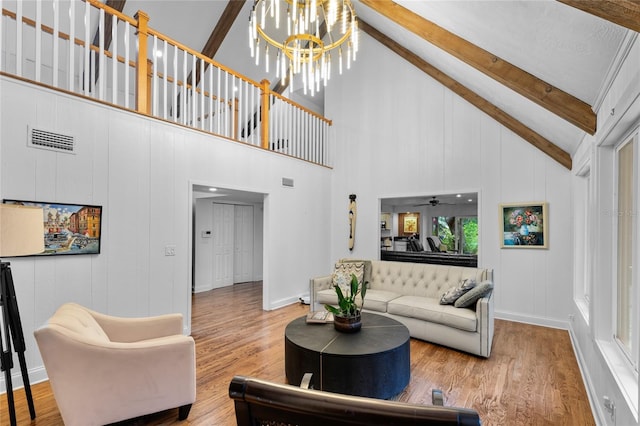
{"points": [[308, 23]]}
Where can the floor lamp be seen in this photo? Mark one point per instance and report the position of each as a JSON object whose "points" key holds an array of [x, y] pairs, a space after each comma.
{"points": [[21, 233]]}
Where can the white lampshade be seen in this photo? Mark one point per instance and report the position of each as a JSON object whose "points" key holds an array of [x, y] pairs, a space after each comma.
{"points": [[21, 230]]}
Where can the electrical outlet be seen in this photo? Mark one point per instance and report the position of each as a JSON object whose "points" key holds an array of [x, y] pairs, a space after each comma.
{"points": [[170, 250], [610, 406]]}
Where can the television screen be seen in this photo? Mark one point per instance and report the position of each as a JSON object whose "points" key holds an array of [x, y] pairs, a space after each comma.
{"points": [[68, 228]]}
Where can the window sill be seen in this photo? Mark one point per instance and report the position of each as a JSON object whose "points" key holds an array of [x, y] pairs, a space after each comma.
{"points": [[625, 376], [583, 307]]}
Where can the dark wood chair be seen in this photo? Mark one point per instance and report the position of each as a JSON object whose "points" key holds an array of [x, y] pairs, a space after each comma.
{"points": [[259, 402]]}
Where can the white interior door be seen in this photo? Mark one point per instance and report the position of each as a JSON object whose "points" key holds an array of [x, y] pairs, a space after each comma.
{"points": [[243, 244], [223, 237]]}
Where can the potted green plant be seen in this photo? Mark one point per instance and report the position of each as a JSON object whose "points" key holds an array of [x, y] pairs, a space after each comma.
{"points": [[347, 316]]}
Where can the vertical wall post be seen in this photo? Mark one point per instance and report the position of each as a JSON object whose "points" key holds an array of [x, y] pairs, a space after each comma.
{"points": [[142, 83], [264, 113]]}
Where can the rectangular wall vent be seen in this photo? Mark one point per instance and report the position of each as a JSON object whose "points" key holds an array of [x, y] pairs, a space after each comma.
{"points": [[52, 141], [287, 182]]}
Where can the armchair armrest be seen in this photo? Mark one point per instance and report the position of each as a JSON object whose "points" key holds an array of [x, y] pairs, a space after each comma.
{"points": [[125, 330], [315, 285]]}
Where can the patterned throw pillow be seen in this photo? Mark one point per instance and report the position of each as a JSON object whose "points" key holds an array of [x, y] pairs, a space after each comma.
{"points": [[342, 274], [471, 297], [450, 296]]}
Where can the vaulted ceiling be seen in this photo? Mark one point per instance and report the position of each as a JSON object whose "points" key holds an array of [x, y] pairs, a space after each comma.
{"points": [[539, 67]]}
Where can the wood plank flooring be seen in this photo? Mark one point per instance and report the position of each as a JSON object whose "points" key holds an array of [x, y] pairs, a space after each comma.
{"points": [[532, 377]]}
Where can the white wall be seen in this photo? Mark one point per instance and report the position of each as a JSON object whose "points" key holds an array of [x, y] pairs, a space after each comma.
{"points": [[141, 171], [411, 136]]}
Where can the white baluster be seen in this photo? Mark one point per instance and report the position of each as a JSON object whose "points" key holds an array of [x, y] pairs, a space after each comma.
{"points": [[19, 39], [185, 92], [102, 69], [154, 77], [202, 95], [210, 72], [1, 33], [226, 103], [72, 47], [38, 37], [218, 103], [127, 31], [194, 93], [165, 83], [114, 59], [56, 41], [87, 49], [174, 102]]}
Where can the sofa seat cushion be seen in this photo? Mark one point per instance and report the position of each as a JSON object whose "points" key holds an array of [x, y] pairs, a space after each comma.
{"points": [[377, 300], [429, 309], [328, 295]]}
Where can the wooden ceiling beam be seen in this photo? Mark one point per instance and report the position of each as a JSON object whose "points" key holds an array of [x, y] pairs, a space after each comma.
{"points": [[217, 36], [535, 139], [622, 12], [562, 104]]}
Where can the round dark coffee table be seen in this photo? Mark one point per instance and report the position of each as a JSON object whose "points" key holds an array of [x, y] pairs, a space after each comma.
{"points": [[373, 362]]}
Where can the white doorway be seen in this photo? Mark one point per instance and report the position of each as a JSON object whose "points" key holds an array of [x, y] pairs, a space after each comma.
{"points": [[227, 237]]}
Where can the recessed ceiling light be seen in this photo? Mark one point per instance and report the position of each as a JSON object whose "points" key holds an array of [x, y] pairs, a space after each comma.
{"points": [[470, 200], [459, 195], [213, 189]]}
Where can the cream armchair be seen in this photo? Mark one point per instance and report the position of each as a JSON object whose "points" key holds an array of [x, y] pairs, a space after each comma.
{"points": [[104, 369]]}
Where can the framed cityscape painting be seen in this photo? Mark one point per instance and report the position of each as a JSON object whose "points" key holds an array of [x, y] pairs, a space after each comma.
{"points": [[523, 225], [68, 228]]}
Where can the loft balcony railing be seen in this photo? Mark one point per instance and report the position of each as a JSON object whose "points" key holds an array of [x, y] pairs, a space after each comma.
{"points": [[93, 50]]}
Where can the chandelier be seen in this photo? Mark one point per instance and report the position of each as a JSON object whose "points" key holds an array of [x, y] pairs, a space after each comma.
{"points": [[302, 49]]}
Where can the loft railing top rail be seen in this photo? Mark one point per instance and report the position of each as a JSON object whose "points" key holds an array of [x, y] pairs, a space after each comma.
{"points": [[307, 110], [112, 11]]}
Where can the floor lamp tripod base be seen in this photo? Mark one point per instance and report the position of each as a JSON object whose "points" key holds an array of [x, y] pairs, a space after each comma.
{"points": [[11, 331]]}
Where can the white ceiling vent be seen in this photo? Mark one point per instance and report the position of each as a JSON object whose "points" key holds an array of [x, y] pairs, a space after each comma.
{"points": [[52, 141]]}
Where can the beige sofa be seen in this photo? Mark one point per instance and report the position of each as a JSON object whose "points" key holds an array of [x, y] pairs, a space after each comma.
{"points": [[104, 369], [411, 293]]}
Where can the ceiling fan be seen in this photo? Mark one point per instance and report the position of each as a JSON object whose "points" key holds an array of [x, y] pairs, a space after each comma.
{"points": [[433, 202]]}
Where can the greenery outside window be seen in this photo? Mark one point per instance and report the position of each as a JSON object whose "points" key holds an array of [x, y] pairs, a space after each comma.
{"points": [[459, 234]]}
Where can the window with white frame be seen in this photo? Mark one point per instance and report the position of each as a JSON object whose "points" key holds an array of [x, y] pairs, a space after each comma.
{"points": [[626, 306], [582, 283]]}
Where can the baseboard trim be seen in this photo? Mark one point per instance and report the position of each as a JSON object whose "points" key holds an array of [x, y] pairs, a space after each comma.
{"points": [[596, 409], [36, 375], [533, 320]]}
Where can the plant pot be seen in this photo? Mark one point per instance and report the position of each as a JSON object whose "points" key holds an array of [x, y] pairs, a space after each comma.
{"points": [[350, 324]]}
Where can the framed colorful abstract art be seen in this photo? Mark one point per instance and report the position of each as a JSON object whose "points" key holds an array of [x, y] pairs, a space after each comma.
{"points": [[524, 225]]}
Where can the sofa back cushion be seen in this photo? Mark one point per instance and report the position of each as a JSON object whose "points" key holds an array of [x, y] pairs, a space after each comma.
{"points": [[420, 279]]}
